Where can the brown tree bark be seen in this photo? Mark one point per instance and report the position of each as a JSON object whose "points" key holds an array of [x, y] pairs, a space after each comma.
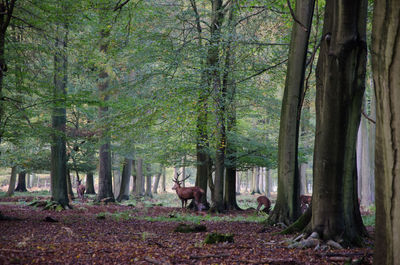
{"points": [[340, 87], [89, 183], [13, 180], [125, 178], [386, 69]]}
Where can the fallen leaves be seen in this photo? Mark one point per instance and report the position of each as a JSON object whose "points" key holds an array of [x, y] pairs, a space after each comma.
{"points": [[79, 237]]}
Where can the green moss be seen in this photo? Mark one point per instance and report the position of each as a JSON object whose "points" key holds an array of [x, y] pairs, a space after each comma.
{"points": [[218, 238], [185, 228]]}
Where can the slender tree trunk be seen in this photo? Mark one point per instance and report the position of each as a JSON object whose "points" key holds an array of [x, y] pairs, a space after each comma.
{"points": [[134, 177], [139, 177], [340, 88], [163, 186], [58, 173], [287, 207], [70, 192], [126, 177], [13, 180], [148, 181], [89, 183], [268, 183], [237, 183], [303, 178], [156, 183], [386, 69]]}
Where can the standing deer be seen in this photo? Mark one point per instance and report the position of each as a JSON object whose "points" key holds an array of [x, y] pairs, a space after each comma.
{"points": [[80, 189], [187, 193], [263, 200], [305, 202]]}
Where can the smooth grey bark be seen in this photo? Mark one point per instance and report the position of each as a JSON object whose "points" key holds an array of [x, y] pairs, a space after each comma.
{"points": [[386, 69], [90, 183], [139, 178], [125, 178], [58, 173], [340, 78], [13, 180], [134, 177], [156, 183], [303, 178], [148, 181], [268, 183], [287, 207], [21, 185], [163, 184]]}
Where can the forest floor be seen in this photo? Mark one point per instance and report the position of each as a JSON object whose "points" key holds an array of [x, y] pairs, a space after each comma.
{"points": [[144, 234]]}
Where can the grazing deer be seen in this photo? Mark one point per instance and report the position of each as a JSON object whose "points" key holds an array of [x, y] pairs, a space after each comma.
{"points": [[263, 200], [187, 193], [81, 190]]}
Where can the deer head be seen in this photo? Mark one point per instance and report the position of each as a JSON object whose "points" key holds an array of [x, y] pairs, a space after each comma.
{"points": [[178, 182]]}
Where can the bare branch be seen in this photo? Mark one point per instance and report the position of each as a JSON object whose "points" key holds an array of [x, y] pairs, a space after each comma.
{"points": [[294, 17]]}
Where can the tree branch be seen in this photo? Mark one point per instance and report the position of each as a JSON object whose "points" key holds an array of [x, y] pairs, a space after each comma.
{"points": [[294, 17]]}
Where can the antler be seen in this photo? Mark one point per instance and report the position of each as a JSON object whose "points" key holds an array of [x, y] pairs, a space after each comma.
{"points": [[176, 179]]}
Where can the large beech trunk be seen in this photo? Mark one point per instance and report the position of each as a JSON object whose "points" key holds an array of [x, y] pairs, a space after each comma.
{"points": [[340, 87], [386, 69]]}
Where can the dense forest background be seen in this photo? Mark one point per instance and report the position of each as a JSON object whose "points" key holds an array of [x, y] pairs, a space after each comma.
{"points": [[261, 96]]}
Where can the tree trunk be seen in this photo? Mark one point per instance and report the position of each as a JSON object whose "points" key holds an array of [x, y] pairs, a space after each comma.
{"points": [[134, 177], [303, 178], [6, 12], [386, 69], [202, 143], [139, 177], [340, 87], [148, 181], [58, 173], [13, 180], [268, 183], [89, 183], [287, 207], [228, 83], [219, 98], [70, 191], [126, 177], [156, 183], [163, 184], [105, 166], [116, 172], [237, 183]]}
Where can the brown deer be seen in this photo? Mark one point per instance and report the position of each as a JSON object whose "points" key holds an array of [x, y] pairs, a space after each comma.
{"points": [[263, 200], [80, 189], [305, 202], [187, 193]]}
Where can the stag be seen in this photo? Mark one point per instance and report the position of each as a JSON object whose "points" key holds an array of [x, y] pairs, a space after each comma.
{"points": [[81, 190], [187, 193]]}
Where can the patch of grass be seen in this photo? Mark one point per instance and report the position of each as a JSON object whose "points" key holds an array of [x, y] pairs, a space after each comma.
{"points": [[117, 216], [196, 219], [369, 220]]}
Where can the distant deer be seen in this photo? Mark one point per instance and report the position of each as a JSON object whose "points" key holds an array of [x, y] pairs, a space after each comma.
{"points": [[263, 200], [81, 190], [187, 193], [305, 202]]}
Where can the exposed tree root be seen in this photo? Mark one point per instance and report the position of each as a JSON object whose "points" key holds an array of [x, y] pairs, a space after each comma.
{"points": [[313, 241]]}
